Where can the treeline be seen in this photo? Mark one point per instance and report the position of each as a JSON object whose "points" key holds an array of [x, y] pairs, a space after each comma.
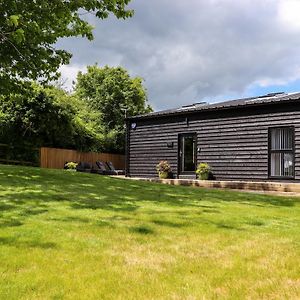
{"points": [[89, 119]]}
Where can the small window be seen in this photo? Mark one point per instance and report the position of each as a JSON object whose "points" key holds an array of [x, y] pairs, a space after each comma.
{"points": [[281, 152]]}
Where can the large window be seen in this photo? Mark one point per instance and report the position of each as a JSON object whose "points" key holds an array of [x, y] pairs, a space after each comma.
{"points": [[281, 152]]}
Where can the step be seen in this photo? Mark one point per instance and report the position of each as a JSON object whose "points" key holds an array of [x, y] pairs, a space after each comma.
{"points": [[191, 177]]}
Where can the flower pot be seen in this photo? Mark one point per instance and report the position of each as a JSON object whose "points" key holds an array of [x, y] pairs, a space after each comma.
{"points": [[204, 176], [163, 175]]}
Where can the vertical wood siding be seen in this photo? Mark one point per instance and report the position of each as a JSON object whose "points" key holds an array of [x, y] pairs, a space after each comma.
{"points": [[234, 143]]}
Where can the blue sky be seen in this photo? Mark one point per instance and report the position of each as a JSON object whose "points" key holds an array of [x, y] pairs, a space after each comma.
{"points": [[195, 50], [289, 87]]}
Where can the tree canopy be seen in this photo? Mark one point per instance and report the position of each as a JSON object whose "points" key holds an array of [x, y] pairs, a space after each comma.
{"points": [[91, 119], [111, 92], [43, 117], [29, 31]]}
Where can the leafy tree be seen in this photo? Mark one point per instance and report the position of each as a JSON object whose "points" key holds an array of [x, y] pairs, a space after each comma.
{"points": [[111, 91], [43, 117], [30, 29], [92, 119]]}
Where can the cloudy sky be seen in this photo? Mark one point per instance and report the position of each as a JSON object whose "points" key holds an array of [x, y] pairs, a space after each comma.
{"points": [[198, 50]]}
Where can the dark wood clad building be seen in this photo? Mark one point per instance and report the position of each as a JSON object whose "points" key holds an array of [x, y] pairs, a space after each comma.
{"points": [[245, 139]]}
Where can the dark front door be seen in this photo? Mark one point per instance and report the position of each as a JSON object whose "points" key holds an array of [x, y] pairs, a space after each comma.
{"points": [[187, 153]]}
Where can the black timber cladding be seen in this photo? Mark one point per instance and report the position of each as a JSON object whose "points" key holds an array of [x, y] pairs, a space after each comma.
{"points": [[232, 138]]}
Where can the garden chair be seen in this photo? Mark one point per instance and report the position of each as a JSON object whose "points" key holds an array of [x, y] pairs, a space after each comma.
{"points": [[101, 166], [112, 168]]}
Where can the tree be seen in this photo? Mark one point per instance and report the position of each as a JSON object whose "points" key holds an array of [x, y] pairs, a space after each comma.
{"points": [[43, 117], [92, 119], [30, 29], [111, 91]]}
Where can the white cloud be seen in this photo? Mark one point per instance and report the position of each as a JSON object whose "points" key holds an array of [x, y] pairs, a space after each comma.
{"points": [[69, 74], [190, 50], [284, 81], [289, 11]]}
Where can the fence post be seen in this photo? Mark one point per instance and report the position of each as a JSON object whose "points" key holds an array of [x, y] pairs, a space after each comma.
{"points": [[40, 157]]}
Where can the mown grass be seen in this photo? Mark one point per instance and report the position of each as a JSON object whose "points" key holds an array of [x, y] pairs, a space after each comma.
{"points": [[80, 236]]}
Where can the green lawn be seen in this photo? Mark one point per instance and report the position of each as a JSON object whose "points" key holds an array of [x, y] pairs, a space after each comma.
{"points": [[67, 235]]}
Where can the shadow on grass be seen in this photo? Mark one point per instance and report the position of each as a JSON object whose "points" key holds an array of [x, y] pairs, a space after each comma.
{"points": [[105, 202], [33, 212], [69, 219], [30, 191], [6, 207], [169, 223], [255, 223], [10, 222], [223, 225], [15, 242], [143, 229], [211, 211]]}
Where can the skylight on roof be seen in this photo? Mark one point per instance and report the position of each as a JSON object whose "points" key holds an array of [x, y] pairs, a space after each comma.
{"points": [[197, 104], [266, 97]]}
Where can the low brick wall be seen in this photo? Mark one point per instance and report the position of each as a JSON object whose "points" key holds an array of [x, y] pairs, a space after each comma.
{"points": [[280, 187]]}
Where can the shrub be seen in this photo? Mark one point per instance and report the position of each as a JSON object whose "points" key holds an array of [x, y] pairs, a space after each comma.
{"points": [[163, 168], [71, 165], [203, 171]]}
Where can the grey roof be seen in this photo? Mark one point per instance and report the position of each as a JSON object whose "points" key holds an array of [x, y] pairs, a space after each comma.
{"points": [[272, 98]]}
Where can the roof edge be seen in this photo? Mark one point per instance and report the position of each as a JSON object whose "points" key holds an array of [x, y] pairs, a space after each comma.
{"points": [[227, 105]]}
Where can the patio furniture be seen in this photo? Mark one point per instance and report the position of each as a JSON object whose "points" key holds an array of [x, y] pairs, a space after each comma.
{"points": [[103, 169], [112, 168], [84, 167], [97, 170]]}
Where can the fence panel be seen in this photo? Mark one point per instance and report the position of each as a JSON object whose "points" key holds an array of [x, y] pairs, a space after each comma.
{"points": [[55, 158]]}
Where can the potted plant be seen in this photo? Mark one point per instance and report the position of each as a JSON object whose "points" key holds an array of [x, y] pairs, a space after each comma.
{"points": [[71, 166], [163, 169], [203, 171]]}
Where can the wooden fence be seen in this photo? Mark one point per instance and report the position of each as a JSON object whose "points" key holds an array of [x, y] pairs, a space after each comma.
{"points": [[54, 158]]}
